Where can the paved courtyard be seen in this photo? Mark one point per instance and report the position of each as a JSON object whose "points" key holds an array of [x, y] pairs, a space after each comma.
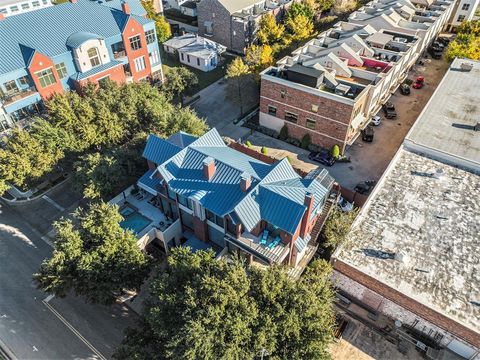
{"points": [[369, 160]]}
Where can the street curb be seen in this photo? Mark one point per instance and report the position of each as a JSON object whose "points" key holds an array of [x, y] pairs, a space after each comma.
{"points": [[19, 202], [6, 352]]}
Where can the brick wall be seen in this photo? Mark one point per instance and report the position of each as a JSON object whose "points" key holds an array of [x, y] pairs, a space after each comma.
{"points": [[133, 28], [41, 62], [116, 74], [212, 10], [423, 311], [331, 120]]}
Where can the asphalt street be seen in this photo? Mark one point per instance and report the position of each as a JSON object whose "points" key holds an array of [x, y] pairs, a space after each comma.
{"points": [[34, 325]]}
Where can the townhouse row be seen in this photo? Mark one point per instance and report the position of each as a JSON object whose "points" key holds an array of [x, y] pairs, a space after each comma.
{"points": [[62, 47], [330, 87]]}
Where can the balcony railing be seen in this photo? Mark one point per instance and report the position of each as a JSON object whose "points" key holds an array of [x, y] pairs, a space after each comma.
{"points": [[119, 54], [9, 98]]}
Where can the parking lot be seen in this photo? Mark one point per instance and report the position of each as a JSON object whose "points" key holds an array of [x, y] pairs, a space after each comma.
{"points": [[369, 160]]}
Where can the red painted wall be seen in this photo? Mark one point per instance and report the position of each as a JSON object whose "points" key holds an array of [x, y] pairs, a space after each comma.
{"points": [[115, 74], [41, 62], [131, 29]]}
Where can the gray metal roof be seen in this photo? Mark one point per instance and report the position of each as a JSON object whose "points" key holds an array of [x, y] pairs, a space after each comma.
{"points": [[158, 150], [78, 38], [445, 127]]}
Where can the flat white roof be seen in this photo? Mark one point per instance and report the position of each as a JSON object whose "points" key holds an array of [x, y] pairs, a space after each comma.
{"points": [[427, 212]]}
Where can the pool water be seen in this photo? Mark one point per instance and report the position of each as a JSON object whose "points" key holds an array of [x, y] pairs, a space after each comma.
{"points": [[135, 222], [126, 211]]}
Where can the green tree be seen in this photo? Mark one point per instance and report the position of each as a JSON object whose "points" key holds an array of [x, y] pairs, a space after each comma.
{"points": [[237, 76], [300, 9], [186, 120], [162, 27], [466, 43], [337, 227], [178, 80], [270, 32], [306, 141], [300, 27], [93, 256], [283, 133], [203, 308]]}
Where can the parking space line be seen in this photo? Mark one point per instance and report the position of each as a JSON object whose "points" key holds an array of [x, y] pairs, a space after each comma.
{"points": [[72, 329], [47, 199]]}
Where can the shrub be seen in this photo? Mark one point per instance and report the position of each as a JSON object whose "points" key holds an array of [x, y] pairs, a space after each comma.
{"points": [[248, 144], [264, 150], [293, 141], [289, 159], [306, 140], [283, 133], [335, 151], [313, 147]]}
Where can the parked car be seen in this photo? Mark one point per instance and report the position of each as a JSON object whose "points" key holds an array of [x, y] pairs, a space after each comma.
{"points": [[344, 205], [365, 187], [405, 89], [323, 157], [389, 110], [367, 134], [419, 82], [443, 40], [376, 120], [435, 53]]}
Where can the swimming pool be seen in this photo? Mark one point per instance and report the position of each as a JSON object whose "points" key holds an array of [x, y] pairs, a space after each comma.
{"points": [[135, 222], [126, 210]]}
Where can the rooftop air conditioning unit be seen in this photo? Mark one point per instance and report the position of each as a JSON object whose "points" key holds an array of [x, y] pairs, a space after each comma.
{"points": [[466, 66]]}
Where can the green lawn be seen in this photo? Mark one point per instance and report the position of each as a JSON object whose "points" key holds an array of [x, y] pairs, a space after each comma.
{"points": [[204, 78]]}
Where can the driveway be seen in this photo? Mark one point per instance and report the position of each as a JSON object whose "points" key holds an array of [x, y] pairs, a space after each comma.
{"points": [[369, 160], [219, 106]]}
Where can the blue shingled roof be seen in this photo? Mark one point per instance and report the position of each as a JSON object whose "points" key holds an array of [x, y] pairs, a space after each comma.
{"points": [[46, 30], [95, 70], [276, 195]]}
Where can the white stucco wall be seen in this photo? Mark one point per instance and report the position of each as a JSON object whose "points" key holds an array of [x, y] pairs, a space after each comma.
{"points": [[271, 121], [81, 54]]}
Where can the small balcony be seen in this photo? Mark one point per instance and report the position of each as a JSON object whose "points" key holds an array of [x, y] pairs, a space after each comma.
{"points": [[272, 251], [119, 54], [10, 98]]}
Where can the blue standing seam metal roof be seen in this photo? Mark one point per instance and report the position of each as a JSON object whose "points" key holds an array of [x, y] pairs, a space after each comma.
{"points": [[302, 243], [181, 139], [148, 181], [96, 70], [158, 150], [47, 30]]}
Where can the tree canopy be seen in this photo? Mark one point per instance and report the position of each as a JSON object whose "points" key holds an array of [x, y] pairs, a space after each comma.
{"points": [[270, 32], [467, 42], [300, 27], [259, 57], [99, 119], [162, 27], [93, 256], [337, 227], [237, 77], [203, 308], [178, 80]]}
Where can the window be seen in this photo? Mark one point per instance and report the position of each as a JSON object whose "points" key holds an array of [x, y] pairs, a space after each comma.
{"points": [[311, 124], [14, 8], [172, 194], [231, 228], [291, 117], [272, 110], [181, 56], [185, 201], [36, 3], [465, 7], [208, 28], [135, 42], [61, 70], [198, 61], [154, 58], [140, 63], [188, 58], [93, 56], [210, 216], [46, 77], [103, 80], [461, 18], [314, 108], [282, 94], [45, 2], [10, 86], [25, 6], [150, 36], [3, 11], [23, 80]]}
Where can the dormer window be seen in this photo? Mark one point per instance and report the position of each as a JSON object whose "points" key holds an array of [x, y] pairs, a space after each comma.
{"points": [[94, 56]]}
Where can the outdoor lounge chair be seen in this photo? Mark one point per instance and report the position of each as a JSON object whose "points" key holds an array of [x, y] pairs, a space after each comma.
{"points": [[263, 239], [274, 242]]}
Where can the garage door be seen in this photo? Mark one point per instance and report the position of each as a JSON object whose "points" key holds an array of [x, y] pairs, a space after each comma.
{"points": [[461, 349]]}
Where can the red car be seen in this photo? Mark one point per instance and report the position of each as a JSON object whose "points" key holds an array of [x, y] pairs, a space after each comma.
{"points": [[418, 84]]}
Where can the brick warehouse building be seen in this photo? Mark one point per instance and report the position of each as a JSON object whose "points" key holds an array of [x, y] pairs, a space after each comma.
{"points": [[411, 259], [65, 46], [330, 87]]}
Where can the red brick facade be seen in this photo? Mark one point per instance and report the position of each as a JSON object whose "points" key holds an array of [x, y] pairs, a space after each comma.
{"points": [[332, 118], [116, 74], [408, 303], [41, 62], [133, 28]]}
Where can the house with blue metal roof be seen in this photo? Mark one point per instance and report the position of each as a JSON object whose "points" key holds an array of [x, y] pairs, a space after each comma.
{"points": [[63, 47], [232, 201]]}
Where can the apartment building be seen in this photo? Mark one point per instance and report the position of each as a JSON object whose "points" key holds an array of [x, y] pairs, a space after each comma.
{"points": [[218, 197], [410, 261], [464, 11], [330, 87], [233, 23], [63, 47], [15, 7]]}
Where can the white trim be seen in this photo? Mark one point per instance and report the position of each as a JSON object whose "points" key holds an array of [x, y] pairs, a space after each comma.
{"points": [[308, 112], [184, 208], [215, 226]]}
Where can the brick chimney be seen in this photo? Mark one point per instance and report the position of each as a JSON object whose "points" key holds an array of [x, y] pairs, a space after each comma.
{"points": [[125, 7], [73, 1], [2, 16], [308, 202], [208, 168], [245, 181]]}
